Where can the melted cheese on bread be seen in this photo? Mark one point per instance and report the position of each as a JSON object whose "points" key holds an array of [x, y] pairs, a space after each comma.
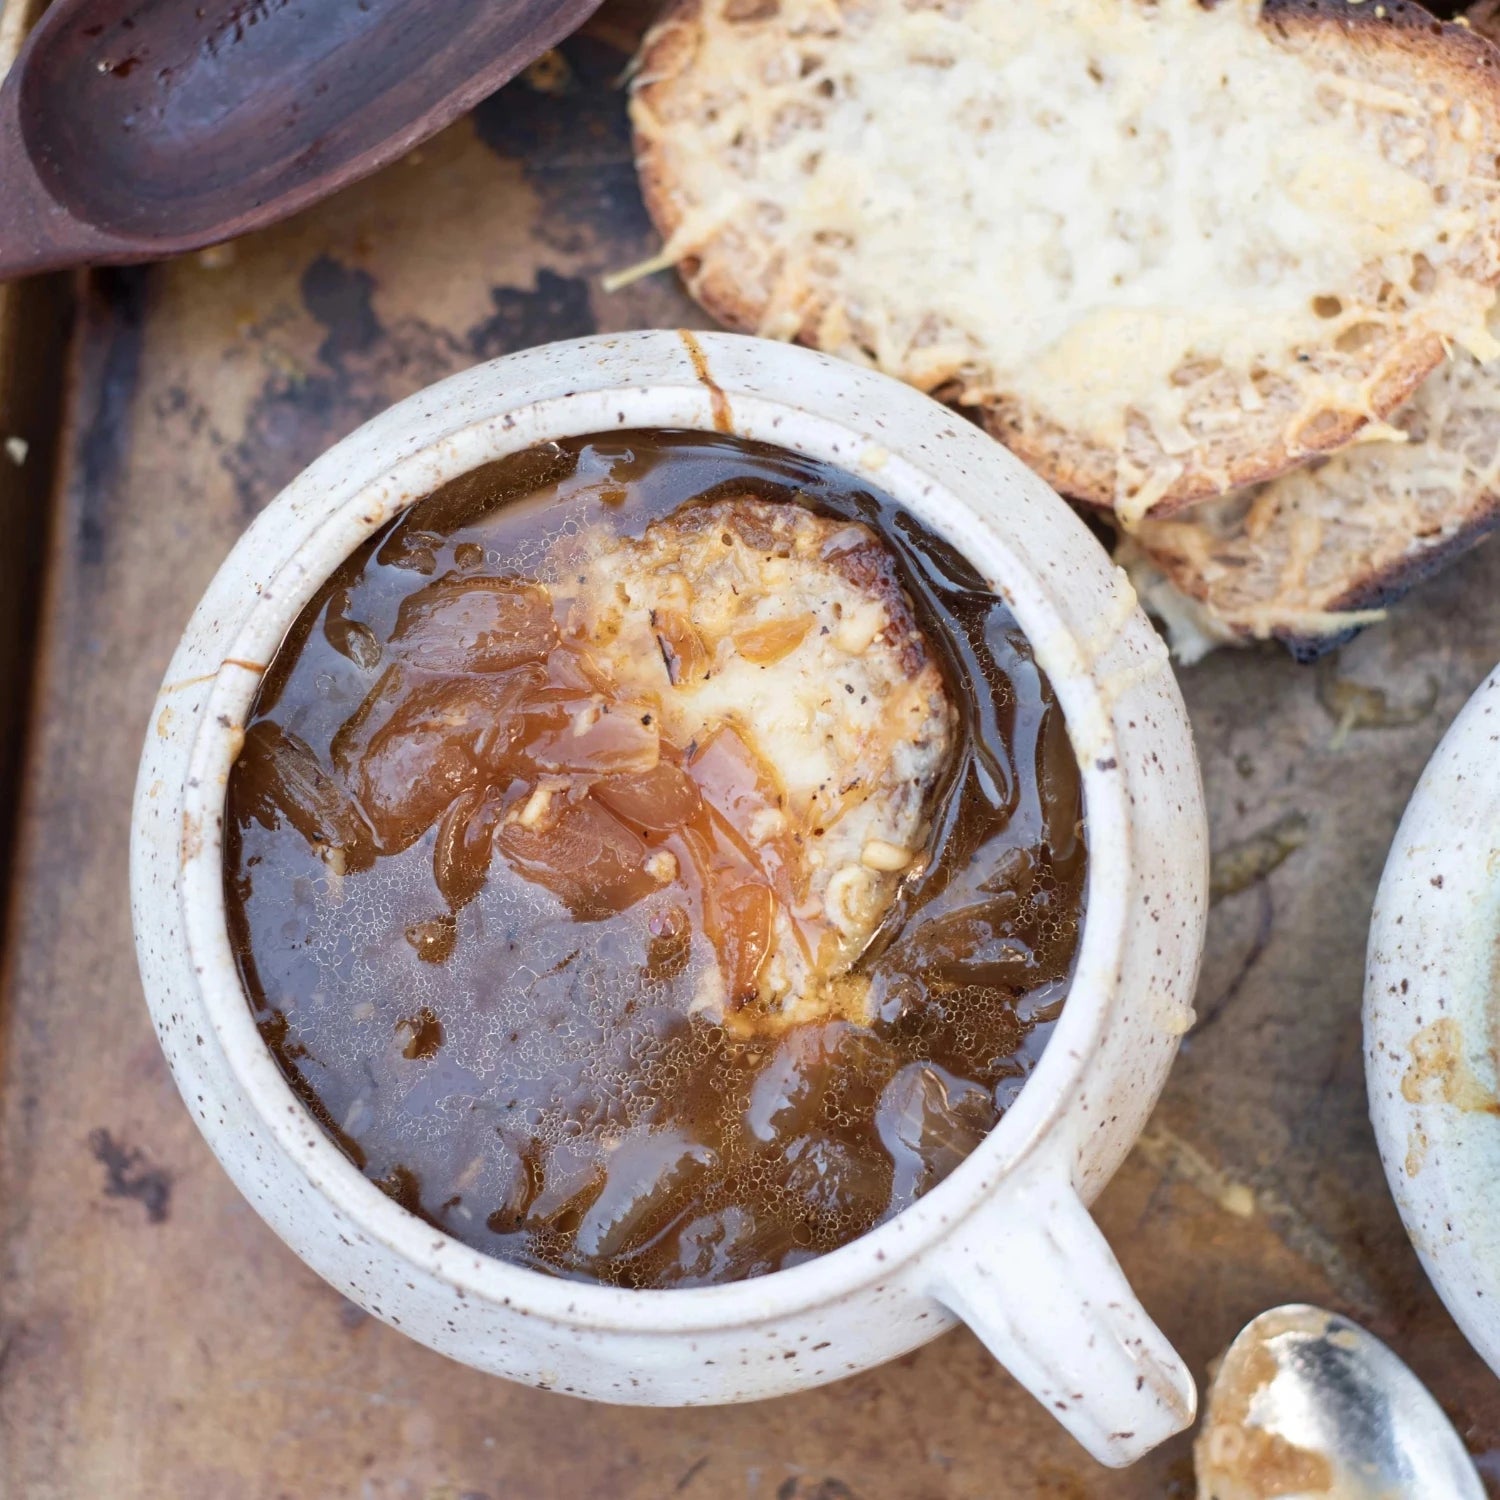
{"points": [[1151, 238], [792, 630]]}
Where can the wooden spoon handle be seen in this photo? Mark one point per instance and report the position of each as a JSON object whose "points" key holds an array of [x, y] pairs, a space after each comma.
{"points": [[36, 232]]}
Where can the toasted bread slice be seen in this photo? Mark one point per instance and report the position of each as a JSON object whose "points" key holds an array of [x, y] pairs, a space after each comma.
{"points": [[1307, 558], [1304, 558], [1166, 249]]}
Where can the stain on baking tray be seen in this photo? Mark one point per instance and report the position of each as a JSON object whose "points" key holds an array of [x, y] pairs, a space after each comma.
{"points": [[1247, 864], [1356, 705], [573, 143], [557, 308], [341, 298], [814, 1489], [113, 319], [352, 1315], [565, 122], [365, 366], [1210, 1011], [1248, 861], [127, 1175], [690, 1474]]}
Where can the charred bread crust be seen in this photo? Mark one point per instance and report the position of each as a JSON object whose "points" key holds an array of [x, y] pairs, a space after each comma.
{"points": [[1375, 591], [1365, 15], [1397, 581]]}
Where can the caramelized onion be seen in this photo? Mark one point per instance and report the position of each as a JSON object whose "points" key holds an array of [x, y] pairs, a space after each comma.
{"points": [[282, 778], [474, 624], [465, 844], [585, 734], [659, 800], [415, 744], [682, 650], [585, 856], [747, 919], [769, 642]]}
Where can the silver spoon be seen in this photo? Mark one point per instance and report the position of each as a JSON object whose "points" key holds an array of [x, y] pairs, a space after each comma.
{"points": [[1308, 1406]]}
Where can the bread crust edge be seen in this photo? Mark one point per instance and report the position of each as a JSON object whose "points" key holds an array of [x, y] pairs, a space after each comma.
{"points": [[1378, 588]]}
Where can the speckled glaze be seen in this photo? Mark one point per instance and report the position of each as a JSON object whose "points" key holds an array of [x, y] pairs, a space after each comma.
{"points": [[1432, 1001], [1006, 1242]]}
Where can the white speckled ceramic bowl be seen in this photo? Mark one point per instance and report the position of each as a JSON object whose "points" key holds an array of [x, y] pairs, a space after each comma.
{"points": [[1005, 1243], [1432, 1004]]}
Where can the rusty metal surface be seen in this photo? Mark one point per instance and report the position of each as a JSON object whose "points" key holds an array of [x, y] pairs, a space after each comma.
{"points": [[156, 1339]]}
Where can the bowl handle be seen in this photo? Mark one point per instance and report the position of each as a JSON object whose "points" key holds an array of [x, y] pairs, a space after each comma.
{"points": [[1032, 1275]]}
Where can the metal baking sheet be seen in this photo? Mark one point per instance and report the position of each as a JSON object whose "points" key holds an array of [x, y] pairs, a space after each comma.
{"points": [[156, 1340]]}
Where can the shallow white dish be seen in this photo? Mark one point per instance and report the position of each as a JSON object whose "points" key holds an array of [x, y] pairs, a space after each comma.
{"points": [[1005, 1243], [1432, 1003]]}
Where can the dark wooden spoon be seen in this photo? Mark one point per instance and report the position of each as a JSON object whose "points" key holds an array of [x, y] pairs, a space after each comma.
{"points": [[132, 129]]}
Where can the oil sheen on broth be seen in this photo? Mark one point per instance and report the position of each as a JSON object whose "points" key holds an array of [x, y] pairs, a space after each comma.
{"points": [[655, 858]]}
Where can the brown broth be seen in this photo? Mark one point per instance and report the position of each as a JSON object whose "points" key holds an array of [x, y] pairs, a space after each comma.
{"points": [[513, 1059]]}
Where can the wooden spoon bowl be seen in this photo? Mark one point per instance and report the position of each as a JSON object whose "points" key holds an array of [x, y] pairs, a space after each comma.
{"points": [[132, 129]]}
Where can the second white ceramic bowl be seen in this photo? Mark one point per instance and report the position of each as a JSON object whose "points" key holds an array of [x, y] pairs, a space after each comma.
{"points": [[1005, 1243], [1432, 1019]]}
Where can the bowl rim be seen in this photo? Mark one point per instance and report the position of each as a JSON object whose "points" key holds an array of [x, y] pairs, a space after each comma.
{"points": [[769, 411], [1434, 961]]}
